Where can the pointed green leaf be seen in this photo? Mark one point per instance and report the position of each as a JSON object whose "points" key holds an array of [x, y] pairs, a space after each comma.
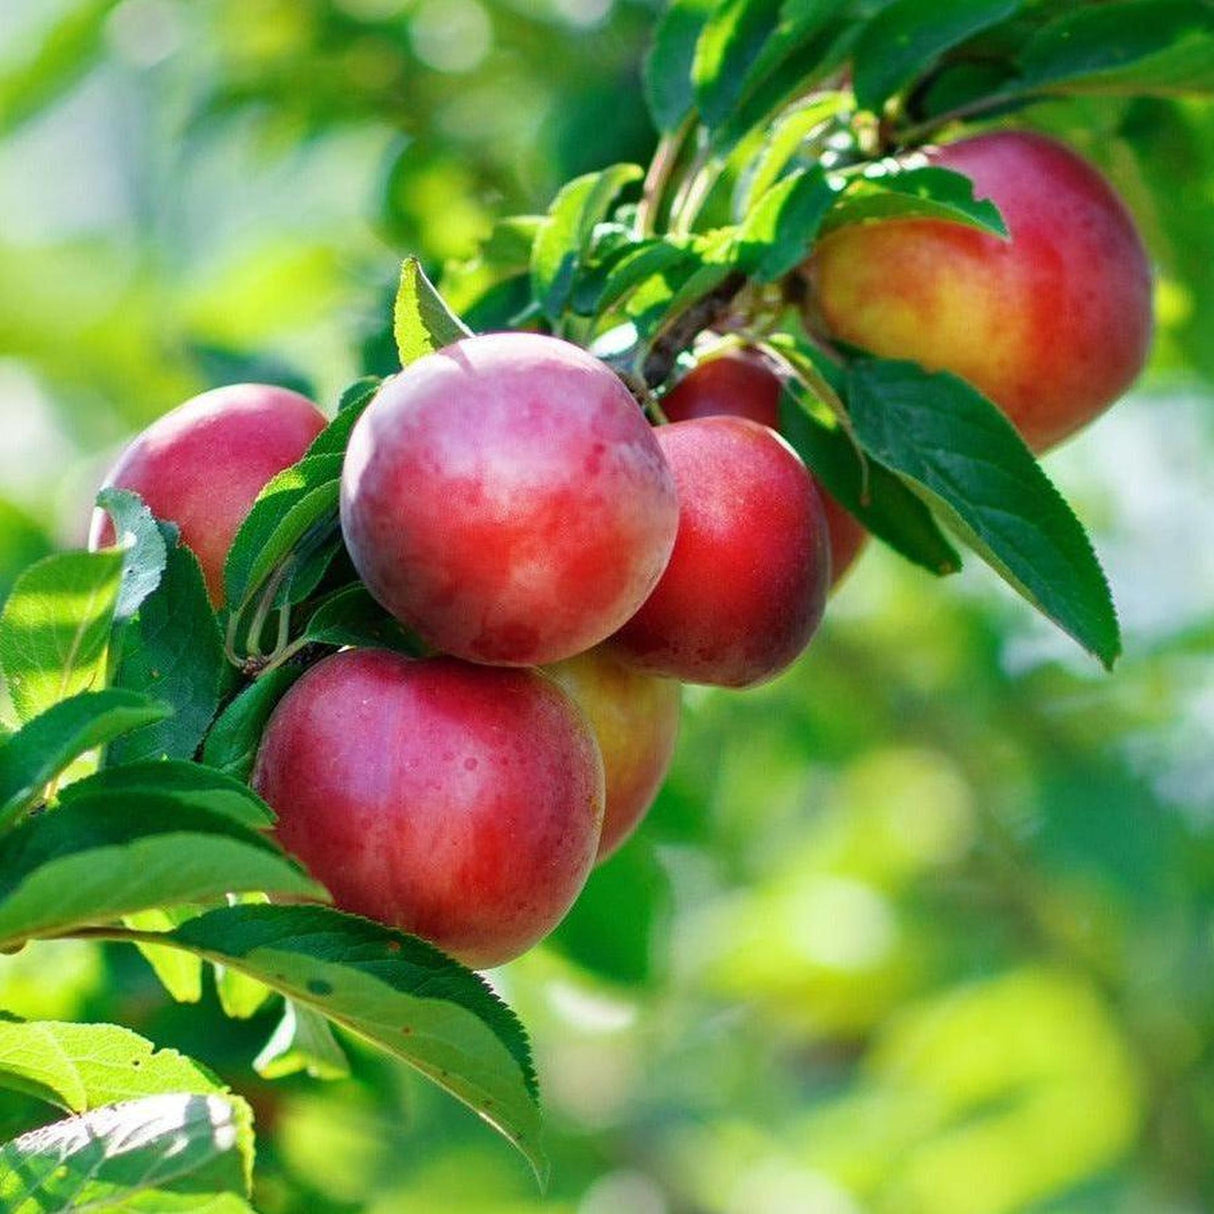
{"points": [[780, 231], [422, 322], [38, 752], [170, 1152], [957, 450], [55, 628], [95, 859], [729, 44], [926, 193], [351, 616], [179, 973], [391, 989]]}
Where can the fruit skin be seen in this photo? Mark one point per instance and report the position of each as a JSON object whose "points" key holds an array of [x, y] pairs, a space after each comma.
{"points": [[1052, 325], [460, 803], [635, 719], [739, 383], [746, 585], [202, 465], [505, 498]]}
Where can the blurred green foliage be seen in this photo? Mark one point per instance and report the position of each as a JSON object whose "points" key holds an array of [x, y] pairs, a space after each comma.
{"points": [[925, 927]]}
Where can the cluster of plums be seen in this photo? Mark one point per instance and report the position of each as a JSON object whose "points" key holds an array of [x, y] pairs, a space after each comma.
{"points": [[568, 566]]}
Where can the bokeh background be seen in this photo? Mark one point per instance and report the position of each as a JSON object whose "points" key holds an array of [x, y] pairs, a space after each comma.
{"points": [[924, 927]]}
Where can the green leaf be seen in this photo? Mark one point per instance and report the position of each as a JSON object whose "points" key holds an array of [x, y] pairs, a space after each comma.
{"points": [[303, 1041], [728, 46], [83, 1066], [926, 193], [421, 321], [158, 1153], [783, 144], [55, 628], [172, 651], [956, 449], [352, 617], [97, 858], [391, 989], [145, 551], [906, 38], [869, 490], [1134, 47], [231, 746], [778, 234], [44, 747], [563, 240], [300, 499], [353, 400], [187, 783], [240, 996], [668, 84]]}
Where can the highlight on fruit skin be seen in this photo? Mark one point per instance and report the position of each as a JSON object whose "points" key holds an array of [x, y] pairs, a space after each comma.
{"points": [[1053, 325], [635, 719], [203, 464], [746, 586], [506, 498], [457, 802], [738, 382]]}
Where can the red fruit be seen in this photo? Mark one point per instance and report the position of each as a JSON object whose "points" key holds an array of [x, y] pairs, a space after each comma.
{"points": [[202, 465], [746, 584], [635, 719], [740, 384], [459, 803], [1052, 325], [506, 499]]}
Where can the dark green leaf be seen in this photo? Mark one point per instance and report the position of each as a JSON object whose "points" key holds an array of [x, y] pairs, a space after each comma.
{"points": [[55, 628], [1139, 46], [172, 651], [421, 320], [45, 746], [95, 859], [668, 84], [231, 746], [564, 238], [152, 1154], [926, 193], [352, 617], [144, 545], [392, 989], [779, 232], [958, 450], [354, 399], [906, 38]]}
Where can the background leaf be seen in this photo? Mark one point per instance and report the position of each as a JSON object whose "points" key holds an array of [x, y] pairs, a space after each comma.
{"points": [[303, 1041], [146, 552], [668, 86]]}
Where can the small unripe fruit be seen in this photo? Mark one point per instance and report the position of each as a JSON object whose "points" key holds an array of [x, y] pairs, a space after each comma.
{"points": [[1052, 325], [746, 585], [460, 803], [740, 384], [203, 465], [635, 719], [506, 499]]}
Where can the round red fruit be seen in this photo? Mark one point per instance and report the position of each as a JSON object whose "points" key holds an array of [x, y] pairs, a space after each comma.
{"points": [[746, 585], [506, 498], [459, 803]]}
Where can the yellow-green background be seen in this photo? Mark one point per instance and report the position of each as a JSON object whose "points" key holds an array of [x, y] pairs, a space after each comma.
{"points": [[925, 927]]}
